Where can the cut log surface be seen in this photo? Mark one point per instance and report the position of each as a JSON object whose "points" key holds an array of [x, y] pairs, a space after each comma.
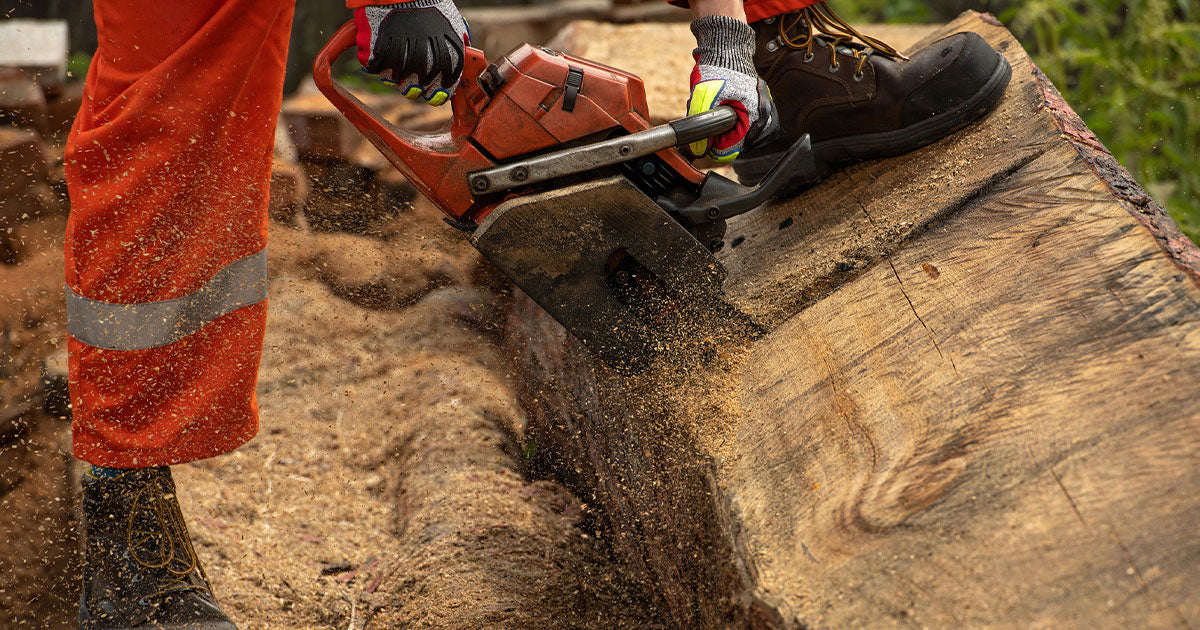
{"points": [[976, 405]]}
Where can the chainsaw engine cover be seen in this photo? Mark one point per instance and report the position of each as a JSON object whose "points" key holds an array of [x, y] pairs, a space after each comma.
{"points": [[544, 98], [610, 266]]}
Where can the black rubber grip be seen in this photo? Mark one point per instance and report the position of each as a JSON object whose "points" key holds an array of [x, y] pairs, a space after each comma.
{"points": [[713, 122]]}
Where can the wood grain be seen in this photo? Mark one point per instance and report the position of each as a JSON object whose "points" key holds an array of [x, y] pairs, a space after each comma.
{"points": [[1011, 439], [976, 405], [793, 252]]}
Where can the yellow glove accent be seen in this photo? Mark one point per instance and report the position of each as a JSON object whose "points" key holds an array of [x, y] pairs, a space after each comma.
{"points": [[439, 97], [704, 97], [413, 92], [728, 157]]}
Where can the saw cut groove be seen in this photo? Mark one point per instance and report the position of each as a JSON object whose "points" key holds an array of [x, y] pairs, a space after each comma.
{"points": [[842, 471]]}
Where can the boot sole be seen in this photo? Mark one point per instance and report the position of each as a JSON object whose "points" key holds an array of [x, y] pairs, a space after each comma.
{"points": [[828, 155], [86, 622]]}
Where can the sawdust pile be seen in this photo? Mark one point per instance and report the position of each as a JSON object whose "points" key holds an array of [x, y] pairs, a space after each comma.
{"points": [[388, 486]]}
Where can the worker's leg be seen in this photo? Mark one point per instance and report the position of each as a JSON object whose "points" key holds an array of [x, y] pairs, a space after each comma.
{"points": [[856, 96], [168, 169]]}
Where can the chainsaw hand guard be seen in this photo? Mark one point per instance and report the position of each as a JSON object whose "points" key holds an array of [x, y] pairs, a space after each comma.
{"points": [[431, 161]]}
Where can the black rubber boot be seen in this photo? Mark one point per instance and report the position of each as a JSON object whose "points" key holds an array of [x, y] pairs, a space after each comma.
{"points": [[141, 570]]}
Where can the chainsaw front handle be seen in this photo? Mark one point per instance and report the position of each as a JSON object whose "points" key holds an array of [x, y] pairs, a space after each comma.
{"points": [[427, 159], [590, 157]]}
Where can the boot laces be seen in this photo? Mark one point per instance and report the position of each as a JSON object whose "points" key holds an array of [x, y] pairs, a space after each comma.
{"points": [[818, 24], [164, 545]]}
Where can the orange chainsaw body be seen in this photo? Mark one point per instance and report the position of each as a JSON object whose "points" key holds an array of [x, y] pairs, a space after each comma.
{"points": [[522, 105], [549, 163]]}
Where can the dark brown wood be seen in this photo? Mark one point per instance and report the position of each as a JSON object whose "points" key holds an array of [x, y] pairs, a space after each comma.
{"points": [[22, 160], [22, 103], [976, 405]]}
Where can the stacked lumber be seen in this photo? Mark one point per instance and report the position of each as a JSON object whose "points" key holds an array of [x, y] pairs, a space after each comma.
{"points": [[31, 177], [975, 404]]}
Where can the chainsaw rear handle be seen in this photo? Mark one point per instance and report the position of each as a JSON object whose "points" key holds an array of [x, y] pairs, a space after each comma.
{"points": [[704, 125], [425, 158]]}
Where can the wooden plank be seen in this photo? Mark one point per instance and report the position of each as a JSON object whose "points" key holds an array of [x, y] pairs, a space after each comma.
{"points": [[37, 47], [22, 160], [22, 103]]}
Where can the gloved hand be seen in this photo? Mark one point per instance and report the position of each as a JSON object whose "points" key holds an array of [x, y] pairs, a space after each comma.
{"points": [[418, 46], [724, 75]]}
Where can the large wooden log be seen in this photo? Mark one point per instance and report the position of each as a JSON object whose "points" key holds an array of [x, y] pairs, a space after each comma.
{"points": [[976, 404]]}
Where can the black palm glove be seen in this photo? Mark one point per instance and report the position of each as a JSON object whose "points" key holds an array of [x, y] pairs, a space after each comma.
{"points": [[418, 46]]}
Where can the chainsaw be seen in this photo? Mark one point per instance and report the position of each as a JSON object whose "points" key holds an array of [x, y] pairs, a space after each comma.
{"points": [[550, 166]]}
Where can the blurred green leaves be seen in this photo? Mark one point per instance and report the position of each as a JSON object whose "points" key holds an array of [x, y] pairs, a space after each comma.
{"points": [[77, 65], [1130, 68]]}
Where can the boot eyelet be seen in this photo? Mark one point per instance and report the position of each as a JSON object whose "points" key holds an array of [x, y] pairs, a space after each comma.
{"points": [[769, 20], [858, 77], [808, 57], [772, 46], [833, 68]]}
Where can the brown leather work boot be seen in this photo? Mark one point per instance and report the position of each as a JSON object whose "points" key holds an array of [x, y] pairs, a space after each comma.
{"points": [[140, 568], [861, 99]]}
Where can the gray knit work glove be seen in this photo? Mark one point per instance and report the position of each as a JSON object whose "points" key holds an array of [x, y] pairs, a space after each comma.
{"points": [[724, 75], [418, 46]]}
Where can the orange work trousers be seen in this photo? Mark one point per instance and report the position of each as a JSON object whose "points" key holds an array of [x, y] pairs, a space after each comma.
{"points": [[168, 170]]}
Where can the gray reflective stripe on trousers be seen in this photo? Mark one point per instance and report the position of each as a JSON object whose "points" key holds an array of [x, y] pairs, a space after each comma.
{"points": [[153, 324]]}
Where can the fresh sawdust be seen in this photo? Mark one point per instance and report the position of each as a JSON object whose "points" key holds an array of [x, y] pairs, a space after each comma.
{"points": [[387, 486]]}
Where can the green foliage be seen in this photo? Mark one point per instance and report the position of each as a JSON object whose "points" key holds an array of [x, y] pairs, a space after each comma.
{"points": [[1131, 69], [77, 66], [363, 81], [858, 11]]}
